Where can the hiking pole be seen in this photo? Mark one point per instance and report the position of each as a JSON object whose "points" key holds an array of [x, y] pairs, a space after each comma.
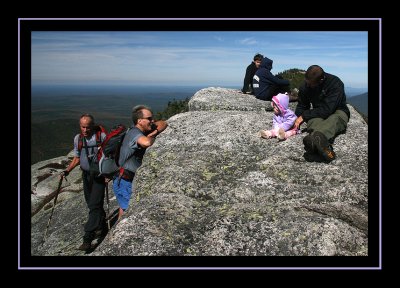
{"points": [[108, 207], [54, 205]]}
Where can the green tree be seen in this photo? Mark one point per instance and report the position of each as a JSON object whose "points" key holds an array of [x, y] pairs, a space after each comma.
{"points": [[173, 107], [294, 75]]}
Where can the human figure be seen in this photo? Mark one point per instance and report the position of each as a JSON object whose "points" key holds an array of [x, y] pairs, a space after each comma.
{"points": [[140, 136], [329, 114], [267, 85], [283, 119], [85, 150], [250, 71]]}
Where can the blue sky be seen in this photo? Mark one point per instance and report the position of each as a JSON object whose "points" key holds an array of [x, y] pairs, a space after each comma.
{"points": [[191, 58]]}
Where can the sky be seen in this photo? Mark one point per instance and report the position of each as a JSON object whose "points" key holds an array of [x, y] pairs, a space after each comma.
{"points": [[191, 58]]}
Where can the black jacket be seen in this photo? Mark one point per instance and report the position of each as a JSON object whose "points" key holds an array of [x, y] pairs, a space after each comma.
{"points": [[248, 78], [326, 98]]}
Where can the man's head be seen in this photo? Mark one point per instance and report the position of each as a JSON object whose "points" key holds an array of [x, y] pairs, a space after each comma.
{"points": [[315, 75], [142, 117], [86, 123], [257, 59]]}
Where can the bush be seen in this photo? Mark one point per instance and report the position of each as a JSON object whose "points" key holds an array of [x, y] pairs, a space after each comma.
{"points": [[295, 76], [173, 107]]}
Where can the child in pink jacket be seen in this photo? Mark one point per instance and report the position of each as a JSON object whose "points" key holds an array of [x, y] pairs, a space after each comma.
{"points": [[283, 120]]}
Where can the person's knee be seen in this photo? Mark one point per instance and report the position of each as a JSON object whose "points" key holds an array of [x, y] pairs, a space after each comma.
{"points": [[314, 124]]}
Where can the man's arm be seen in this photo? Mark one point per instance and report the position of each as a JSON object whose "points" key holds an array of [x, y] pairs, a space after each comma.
{"points": [[278, 81], [248, 79], [290, 121], [298, 122], [303, 103], [330, 100], [75, 162], [145, 141]]}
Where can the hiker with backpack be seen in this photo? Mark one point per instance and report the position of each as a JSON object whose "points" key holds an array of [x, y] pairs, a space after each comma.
{"points": [[86, 145], [140, 136]]}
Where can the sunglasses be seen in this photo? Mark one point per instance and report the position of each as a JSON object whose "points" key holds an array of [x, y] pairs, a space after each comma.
{"points": [[149, 118]]}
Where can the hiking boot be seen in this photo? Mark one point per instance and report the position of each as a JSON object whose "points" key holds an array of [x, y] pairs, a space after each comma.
{"points": [[323, 147], [85, 246], [308, 142]]}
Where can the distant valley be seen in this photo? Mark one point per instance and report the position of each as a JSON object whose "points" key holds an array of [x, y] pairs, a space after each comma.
{"points": [[351, 92], [360, 103], [55, 113]]}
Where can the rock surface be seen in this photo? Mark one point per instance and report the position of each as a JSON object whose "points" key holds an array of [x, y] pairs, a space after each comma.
{"points": [[210, 186]]}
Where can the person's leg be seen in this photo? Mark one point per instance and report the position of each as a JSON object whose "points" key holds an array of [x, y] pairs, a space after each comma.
{"points": [[324, 131], [267, 133], [331, 126], [314, 124], [96, 209], [86, 188], [281, 134], [308, 140], [122, 190], [290, 133]]}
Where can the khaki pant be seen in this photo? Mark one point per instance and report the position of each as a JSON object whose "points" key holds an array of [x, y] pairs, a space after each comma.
{"points": [[331, 126]]}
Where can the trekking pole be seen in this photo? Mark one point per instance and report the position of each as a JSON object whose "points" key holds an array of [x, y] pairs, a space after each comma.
{"points": [[52, 209], [108, 207]]}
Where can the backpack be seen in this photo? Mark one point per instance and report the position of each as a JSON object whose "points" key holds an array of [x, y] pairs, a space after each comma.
{"points": [[108, 153]]}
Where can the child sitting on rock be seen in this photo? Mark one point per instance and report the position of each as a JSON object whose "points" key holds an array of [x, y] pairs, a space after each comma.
{"points": [[283, 120]]}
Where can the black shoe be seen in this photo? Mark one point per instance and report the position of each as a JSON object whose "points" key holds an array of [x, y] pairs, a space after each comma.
{"points": [[323, 147], [85, 246], [308, 142]]}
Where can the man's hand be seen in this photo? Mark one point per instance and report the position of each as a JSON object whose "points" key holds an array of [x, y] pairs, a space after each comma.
{"points": [[64, 174], [298, 122]]}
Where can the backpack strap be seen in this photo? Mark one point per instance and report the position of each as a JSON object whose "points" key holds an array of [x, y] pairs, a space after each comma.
{"points": [[80, 142], [86, 149], [98, 139]]}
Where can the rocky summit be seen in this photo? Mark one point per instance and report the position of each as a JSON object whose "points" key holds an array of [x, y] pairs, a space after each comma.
{"points": [[211, 186]]}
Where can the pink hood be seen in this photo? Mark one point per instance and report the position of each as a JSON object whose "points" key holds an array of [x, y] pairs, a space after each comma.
{"points": [[282, 101]]}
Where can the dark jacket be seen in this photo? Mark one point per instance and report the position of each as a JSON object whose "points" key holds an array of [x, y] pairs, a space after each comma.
{"points": [[263, 80], [248, 78], [326, 98]]}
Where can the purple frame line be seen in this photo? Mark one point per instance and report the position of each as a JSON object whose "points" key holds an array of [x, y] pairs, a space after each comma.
{"points": [[205, 19], [380, 143], [19, 159], [213, 268], [198, 268]]}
